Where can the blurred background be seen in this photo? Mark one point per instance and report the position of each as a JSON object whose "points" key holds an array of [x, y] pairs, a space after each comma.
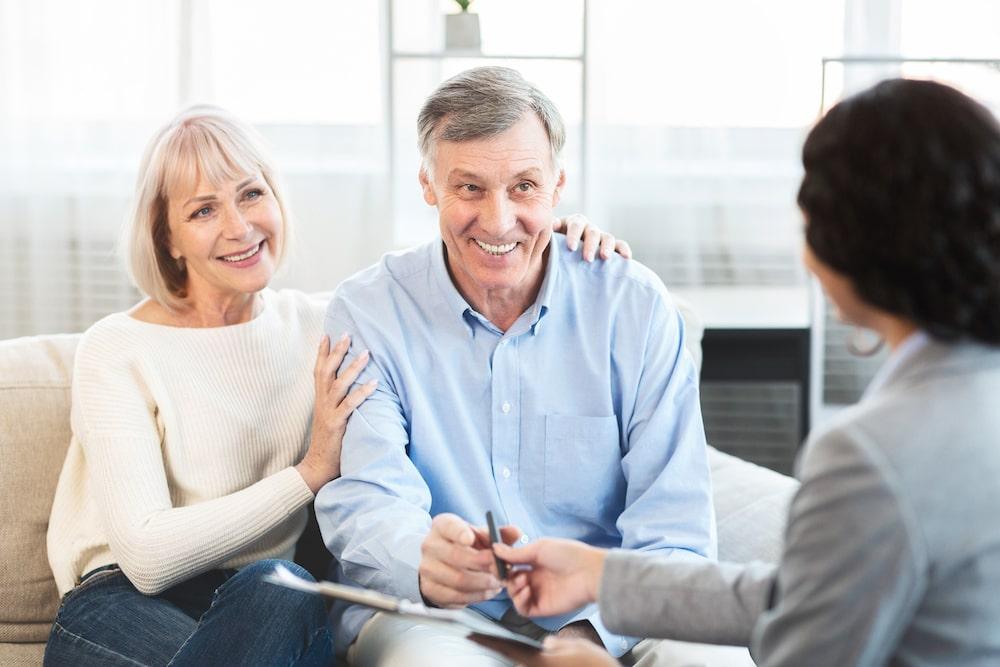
{"points": [[685, 123]]}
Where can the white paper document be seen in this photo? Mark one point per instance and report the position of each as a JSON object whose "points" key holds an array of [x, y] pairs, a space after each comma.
{"points": [[283, 577]]}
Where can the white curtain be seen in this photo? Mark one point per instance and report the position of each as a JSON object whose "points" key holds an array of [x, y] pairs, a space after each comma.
{"points": [[696, 112], [85, 84]]}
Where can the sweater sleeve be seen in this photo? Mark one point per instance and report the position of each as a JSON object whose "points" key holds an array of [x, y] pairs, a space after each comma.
{"points": [[157, 545]]}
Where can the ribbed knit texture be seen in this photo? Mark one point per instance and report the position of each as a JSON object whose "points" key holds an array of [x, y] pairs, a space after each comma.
{"points": [[182, 444]]}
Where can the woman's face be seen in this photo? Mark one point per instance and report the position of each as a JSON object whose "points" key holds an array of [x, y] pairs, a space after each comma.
{"points": [[228, 234]]}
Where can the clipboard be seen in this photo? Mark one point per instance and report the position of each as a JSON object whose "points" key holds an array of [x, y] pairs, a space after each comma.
{"points": [[282, 576]]}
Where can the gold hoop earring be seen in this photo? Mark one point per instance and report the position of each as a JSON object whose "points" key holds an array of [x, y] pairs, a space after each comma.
{"points": [[856, 345]]}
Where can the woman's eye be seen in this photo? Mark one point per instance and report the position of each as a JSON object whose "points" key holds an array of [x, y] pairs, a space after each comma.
{"points": [[253, 194], [202, 212]]}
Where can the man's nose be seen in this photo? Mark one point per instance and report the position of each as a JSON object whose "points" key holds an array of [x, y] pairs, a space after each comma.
{"points": [[235, 224], [498, 216]]}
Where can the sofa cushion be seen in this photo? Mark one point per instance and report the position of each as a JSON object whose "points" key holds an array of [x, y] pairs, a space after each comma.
{"points": [[751, 508], [34, 435]]}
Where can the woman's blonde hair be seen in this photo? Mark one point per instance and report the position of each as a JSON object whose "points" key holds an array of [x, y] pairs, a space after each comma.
{"points": [[202, 142]]}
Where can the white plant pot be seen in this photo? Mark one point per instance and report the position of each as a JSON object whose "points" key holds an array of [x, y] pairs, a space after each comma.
{"points": [[461, 32]]}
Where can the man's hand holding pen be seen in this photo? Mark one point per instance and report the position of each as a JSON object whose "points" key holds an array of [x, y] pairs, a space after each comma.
{"points": [[457, 565]]}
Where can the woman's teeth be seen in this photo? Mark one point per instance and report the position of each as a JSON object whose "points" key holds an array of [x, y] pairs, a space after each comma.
{"points": [[496, 249], [248, 254]]}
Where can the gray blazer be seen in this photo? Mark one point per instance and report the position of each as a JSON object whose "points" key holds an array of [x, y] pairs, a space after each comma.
{"points": [[892, 551]]}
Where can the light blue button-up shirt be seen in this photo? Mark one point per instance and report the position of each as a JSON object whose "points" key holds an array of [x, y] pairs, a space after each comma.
{"points": [[581, 421]]}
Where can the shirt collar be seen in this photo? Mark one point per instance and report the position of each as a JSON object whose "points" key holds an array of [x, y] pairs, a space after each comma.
{"points": [[456, 304], [906, 350]]}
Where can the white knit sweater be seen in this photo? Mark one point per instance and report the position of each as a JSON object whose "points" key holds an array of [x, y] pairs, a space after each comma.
{"points": [[183, 442]]}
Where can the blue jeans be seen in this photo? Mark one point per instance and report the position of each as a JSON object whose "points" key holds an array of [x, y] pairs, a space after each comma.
{"points": [[222, 617]]}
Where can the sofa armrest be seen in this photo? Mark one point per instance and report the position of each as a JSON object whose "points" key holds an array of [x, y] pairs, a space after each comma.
{"points": [[751, 507]]}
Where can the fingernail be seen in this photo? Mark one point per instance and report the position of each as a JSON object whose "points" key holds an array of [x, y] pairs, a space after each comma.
{"points": [[343, 337], [371, 384], [365, 354]]}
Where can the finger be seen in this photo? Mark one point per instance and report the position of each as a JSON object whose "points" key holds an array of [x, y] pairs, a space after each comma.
{"points": [[624, 249], [458, 556], [338, 351], [576, 228], [346, 378], [591, 239], [456, 585], [559, 225], [523, 601], [607, 245], [327, 363], [321, 354], [482, 540], [354, 399], [526, 554]]}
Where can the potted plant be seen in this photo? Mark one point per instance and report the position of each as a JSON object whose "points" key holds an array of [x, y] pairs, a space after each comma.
{"points": [[461, 30]]}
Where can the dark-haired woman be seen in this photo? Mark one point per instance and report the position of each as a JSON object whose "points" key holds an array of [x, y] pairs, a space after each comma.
{"points": [[892, 549]]}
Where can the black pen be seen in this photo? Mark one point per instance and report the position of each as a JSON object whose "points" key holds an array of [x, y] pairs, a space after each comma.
{"points": [[495, 538]]}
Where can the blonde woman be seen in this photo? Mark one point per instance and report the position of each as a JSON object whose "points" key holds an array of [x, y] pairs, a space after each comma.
{"points": [[204, 422]]}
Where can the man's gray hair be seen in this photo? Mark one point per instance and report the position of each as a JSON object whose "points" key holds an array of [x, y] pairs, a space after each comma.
{"points": [[483, 102]]}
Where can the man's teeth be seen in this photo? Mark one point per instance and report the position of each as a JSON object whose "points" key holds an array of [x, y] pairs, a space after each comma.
{"points": [[249, 253], [496, 249]]}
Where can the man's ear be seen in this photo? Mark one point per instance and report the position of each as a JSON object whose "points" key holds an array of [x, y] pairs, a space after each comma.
{"points": [[560, 184], [425, 184]]}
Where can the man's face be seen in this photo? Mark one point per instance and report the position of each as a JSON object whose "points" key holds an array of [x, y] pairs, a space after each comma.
{"points": [[495, 198]]}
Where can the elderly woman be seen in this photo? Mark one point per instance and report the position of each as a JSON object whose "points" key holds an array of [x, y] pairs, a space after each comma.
{"points": [[892, 549], [204, 422]]}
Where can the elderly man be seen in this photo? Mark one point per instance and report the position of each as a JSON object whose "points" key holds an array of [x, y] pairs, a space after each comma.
{"points": [[513, 376]]}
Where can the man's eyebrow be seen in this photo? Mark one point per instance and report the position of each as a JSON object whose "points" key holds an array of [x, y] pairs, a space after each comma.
{"points": [[461, 173], [531, 172]]}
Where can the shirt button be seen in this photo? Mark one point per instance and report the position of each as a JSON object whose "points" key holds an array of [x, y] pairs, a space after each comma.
{"points": [[524, 539], [624, 643], [505, 407], [503, 342], [506, 472]]}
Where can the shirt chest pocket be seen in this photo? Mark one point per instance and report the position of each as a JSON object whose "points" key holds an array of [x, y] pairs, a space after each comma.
{"points": [[583, 471]]}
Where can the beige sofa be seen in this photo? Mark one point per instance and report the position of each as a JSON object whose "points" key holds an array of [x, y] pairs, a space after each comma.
{"points": [[35, 378]]}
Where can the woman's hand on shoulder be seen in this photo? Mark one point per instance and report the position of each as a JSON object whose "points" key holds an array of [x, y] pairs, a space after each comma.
{"points": [[335, 401], [577, 227]]}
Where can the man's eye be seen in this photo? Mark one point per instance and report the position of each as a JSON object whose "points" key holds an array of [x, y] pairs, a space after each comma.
{"points": [[469, 187], [524, 186]]}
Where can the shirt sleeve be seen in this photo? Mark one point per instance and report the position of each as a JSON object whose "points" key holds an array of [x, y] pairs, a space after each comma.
{"points": [[375, 516], [156, 544], [668, 503], [849, 581]]}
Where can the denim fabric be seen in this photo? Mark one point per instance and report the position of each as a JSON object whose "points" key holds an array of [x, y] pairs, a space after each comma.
{"points": [[222, 617]]}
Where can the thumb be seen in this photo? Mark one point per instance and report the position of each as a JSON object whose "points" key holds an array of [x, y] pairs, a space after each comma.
{"points": [[510, 534]]}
